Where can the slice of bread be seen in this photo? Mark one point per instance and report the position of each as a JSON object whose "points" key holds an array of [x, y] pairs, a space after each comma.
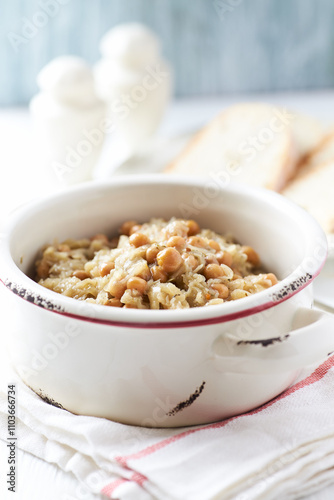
{"points": [[307, 132], [323, 152], [314, 191], [251, 143]]}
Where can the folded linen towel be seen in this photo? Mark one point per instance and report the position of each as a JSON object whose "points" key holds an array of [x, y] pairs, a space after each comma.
{"points": [[284, 449]]}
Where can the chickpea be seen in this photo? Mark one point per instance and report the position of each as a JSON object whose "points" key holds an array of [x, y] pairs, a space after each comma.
{"points": [[271, 277], [135, 229], [191, 261], [224, 258], [113, 303], [215, 245], [117, 288], [101, 237], [127, 226], [151, 254], [223, 291], [43, 269], [80, 274], [138, 239], [177, 242], [252, 256], [193, 227], [138, 284], [211, 259], [169, 259], [158, 274], [197, 241], [213, 271], [63, 248], [106, 268], [145, 273]]}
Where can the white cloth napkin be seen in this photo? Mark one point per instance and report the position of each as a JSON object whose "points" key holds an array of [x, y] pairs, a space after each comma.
{"points": [[284, 449]]}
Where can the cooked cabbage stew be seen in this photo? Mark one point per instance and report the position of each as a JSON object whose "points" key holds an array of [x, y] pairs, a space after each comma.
{"points": [[160, 264]]}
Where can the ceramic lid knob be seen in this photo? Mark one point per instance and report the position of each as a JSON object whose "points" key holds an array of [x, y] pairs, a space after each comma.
{"points": [[69, 80], [130, 44]]}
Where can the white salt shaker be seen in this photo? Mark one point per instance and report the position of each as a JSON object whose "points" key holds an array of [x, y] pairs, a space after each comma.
{"points": [[135, 82], [70, 121]]}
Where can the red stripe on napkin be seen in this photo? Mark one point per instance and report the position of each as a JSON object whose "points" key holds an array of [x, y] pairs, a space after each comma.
{"points": [[318, 374], [110, 488], [137, 477]]}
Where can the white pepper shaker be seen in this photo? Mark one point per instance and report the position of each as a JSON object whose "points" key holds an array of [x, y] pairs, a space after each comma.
{"points": [[135, 82], [70, 121]]}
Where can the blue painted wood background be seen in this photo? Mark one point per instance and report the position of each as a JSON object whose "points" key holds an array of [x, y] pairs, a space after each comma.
{"points": [[215, 46]]}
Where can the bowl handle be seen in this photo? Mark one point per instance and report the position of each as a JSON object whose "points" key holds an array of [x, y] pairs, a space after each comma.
{"points": [[310, 341]]}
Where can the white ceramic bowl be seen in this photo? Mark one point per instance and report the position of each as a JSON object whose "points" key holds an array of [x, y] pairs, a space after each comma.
{"points": [[172, 367]]}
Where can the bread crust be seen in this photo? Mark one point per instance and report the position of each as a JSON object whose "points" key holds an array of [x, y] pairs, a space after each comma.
{"points": [[316, 169], [309, 162], [300, 191]]}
